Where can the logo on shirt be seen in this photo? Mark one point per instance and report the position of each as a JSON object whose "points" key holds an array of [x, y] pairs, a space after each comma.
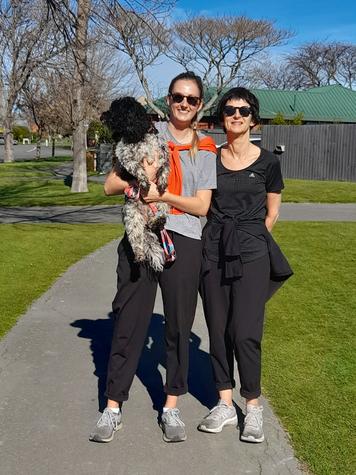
{"points": [[252, 175]]}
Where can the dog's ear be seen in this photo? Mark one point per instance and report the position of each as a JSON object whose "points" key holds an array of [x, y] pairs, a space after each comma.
{"points": [[128, 120]]}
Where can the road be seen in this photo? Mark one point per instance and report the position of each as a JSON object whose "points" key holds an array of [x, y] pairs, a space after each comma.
{"points": [[112, 214], [28, 152]]}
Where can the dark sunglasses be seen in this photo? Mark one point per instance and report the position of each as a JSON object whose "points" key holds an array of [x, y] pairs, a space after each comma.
{"points": [[178, 98], [244, 111]]}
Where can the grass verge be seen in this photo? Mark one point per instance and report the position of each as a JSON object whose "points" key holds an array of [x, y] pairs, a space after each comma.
{"points": [[38, 183], [33, 256], [314, 191], [309, 345]]}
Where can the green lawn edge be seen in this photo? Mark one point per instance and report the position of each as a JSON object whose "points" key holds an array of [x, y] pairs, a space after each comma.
{"points": [[34, 183], [34, 256], [308, 346]]}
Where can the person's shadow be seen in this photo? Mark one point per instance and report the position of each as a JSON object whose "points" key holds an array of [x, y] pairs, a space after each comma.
{"points": [[200, 379]]}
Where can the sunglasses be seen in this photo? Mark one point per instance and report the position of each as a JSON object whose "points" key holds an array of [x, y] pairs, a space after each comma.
{"points": [[244, 111], [178, 98]]}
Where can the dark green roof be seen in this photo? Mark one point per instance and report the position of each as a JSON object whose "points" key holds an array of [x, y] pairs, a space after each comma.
{"points": [[321, 104]]}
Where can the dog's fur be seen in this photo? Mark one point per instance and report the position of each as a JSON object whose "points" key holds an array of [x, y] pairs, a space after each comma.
{"points": [[141, 223], [133, 131]]}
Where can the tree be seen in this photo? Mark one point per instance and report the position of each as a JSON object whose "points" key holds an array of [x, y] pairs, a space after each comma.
{"points": [[273, 75], [312, 65], [47, 98], [142, 37], [219, 48], [347, 67], [322, 64], [80, 48], [74, 20], [27, 41]]}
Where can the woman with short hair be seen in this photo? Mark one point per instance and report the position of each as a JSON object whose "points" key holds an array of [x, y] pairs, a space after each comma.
{"points": [[242, 264]]}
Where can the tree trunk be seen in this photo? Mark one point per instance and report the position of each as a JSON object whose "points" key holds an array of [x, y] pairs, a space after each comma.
{"points": [[8, 138], [38, 148], [53, 147], [79, 183]]}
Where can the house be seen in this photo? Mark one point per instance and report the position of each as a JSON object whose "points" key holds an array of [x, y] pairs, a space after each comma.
{"points": [[326, 104], [319, 105]]}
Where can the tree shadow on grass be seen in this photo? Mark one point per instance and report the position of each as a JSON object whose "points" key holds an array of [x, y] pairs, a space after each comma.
{"points": [[68, 180], [11, 190], [200, 379]]}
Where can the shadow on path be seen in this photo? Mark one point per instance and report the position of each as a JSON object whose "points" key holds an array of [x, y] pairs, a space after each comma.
{"points": [[200, 379], [60, 214]]}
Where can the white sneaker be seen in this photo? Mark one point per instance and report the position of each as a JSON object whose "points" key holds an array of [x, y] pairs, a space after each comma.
{"points": [[219, 416], [253, 431], [172, 426], [107, 425]]}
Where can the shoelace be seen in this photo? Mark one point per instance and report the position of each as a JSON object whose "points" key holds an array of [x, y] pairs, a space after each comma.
{"points": [[108, 417], [217, 410], [252, 419], [173, 418]]}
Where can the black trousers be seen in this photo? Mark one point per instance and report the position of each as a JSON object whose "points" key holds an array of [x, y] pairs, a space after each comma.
{"points": [[133, 306], [234, 312]]}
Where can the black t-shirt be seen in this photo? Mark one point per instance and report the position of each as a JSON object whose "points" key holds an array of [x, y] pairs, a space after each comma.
{"points": [[241, 195]]}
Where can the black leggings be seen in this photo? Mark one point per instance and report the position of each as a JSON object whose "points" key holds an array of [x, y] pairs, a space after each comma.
{"points": [[133, 306], [234, 313]]}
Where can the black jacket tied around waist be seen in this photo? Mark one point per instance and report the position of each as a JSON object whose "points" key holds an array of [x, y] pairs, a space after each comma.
{"points": [[226, 230]]}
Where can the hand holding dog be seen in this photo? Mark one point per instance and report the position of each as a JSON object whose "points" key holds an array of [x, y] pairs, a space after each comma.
{"points": [[151, 169], [152, 194]]}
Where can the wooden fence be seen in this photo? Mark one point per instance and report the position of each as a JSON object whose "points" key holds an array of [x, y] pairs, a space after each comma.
{"points": [[315, 152]]}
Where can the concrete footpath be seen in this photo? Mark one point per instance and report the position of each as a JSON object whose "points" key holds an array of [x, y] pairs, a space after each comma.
{"points": [[52, 378], [112, 214]]}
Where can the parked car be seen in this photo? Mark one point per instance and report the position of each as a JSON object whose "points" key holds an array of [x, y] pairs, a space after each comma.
{"points": [[2, 141]]}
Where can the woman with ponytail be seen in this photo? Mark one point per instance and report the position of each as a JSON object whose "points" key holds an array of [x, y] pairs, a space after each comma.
{"points": [[192, 179]]}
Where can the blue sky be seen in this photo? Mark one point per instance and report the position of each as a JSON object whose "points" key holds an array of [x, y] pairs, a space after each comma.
{"points": [[311, 20]]}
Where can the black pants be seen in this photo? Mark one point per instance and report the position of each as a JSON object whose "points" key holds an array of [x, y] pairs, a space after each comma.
{"points": [[234, 312], [133, 306]]}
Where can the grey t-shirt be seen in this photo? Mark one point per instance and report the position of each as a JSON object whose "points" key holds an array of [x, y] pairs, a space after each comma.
{"points": [[199, 173]]}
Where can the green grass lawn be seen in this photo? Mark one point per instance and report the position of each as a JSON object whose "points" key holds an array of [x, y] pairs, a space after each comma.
{"points": [[309, 345], [34, 184], [314, 191], [33, 256]]}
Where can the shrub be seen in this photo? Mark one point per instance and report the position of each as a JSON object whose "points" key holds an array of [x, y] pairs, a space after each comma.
{"points": [[21, 132], [279, 119]]}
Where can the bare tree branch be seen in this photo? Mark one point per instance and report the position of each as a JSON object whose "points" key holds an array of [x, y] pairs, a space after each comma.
{"points": [[217, 48], [143, 38], [27, 41], [322, 64]]}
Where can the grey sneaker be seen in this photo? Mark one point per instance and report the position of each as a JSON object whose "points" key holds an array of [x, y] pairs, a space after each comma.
{"points": [[106, 426], [253, 431], [173, 426], [219, 416]]}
